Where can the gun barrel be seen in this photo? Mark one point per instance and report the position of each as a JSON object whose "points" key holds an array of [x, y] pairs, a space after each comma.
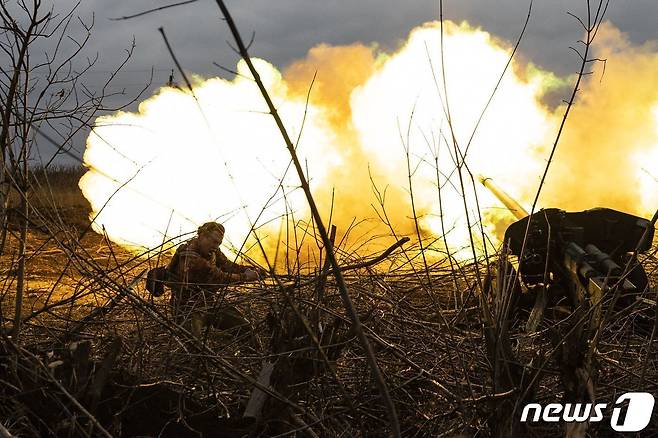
{"points": [[509, 202]]}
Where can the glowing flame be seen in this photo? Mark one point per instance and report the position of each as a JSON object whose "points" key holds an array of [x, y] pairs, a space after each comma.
{"points": [[184, 160], [217, 155]]}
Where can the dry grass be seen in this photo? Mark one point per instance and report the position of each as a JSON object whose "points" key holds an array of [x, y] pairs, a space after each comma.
{"points": [[430, 347]]}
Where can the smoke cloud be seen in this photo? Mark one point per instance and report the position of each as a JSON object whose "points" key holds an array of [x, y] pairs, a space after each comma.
{"points": [[377, 124]]}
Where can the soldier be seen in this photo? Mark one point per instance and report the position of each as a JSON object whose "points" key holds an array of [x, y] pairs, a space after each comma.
{"points": [[197, 270]]}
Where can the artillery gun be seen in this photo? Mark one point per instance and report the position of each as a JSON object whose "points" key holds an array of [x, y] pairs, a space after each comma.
{"points": [[587, 260], [585, 254]]}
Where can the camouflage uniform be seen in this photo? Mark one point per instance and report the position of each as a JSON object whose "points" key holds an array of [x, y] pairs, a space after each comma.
{"points": [[193, 281]]}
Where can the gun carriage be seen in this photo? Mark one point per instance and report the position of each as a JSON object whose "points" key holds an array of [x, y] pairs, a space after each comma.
{"points": [[584, 254], [586, 260]]}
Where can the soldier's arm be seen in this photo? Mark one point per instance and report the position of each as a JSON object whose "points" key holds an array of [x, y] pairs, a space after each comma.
{"points": [[198, 270], [227, 265]]}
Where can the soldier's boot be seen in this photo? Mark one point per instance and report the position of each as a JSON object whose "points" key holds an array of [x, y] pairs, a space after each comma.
{"points": [[232, 324], [230, 318], [197, 325]]}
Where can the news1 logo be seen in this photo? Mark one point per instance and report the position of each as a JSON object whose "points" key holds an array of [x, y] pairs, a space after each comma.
{"points": [[638, 413]]}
